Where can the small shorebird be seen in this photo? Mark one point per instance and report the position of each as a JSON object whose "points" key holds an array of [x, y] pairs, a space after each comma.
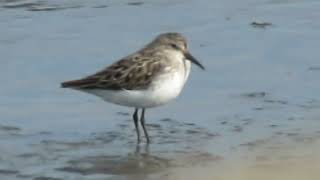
{"points": [[150, 77]]}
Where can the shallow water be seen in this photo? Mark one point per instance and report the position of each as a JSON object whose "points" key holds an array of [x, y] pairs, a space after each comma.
{"points": [[260, 90]]}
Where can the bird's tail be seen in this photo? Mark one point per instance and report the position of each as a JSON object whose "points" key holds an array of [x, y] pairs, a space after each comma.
{"points": [[76, 83]]}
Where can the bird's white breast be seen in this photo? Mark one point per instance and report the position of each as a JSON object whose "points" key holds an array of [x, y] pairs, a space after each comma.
{"points": [[168, 86]]}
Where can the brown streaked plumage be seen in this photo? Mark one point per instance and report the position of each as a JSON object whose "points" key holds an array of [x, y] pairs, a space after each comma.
{"points": [[134, 72], [150, 77]]}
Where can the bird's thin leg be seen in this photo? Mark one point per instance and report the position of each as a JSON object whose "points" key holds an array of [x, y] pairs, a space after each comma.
{"points": [[135, 120], [142, 120]]}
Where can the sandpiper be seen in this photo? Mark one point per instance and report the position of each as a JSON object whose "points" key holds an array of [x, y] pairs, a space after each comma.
{"points": [[150, 77]]}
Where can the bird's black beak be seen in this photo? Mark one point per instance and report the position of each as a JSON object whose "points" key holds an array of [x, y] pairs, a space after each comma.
{"points": [[188, 56]]}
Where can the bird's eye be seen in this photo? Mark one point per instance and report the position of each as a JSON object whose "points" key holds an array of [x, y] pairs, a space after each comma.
{"points": [[174, 46]]}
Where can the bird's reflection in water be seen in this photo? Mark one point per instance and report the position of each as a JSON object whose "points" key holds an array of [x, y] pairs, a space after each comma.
{"points": [[139, 162]]}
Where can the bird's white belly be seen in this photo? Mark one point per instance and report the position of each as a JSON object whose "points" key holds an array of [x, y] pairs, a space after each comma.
{"points": [[163, 89]]}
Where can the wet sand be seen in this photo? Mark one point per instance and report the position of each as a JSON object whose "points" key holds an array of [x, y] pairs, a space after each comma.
{"points": [[282, 162]]}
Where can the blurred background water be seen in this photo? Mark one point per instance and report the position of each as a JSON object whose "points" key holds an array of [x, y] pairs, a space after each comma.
{"points": [[260, 90]]}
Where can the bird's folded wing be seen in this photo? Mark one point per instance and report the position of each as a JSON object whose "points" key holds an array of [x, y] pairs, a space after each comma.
{"points": [[130, 73]]}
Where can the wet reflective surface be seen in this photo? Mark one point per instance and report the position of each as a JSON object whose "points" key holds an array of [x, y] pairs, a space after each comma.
{"points": [[257, 104]]}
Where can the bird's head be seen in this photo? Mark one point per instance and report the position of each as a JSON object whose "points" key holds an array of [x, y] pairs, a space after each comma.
{"points": [[176, 42]]}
